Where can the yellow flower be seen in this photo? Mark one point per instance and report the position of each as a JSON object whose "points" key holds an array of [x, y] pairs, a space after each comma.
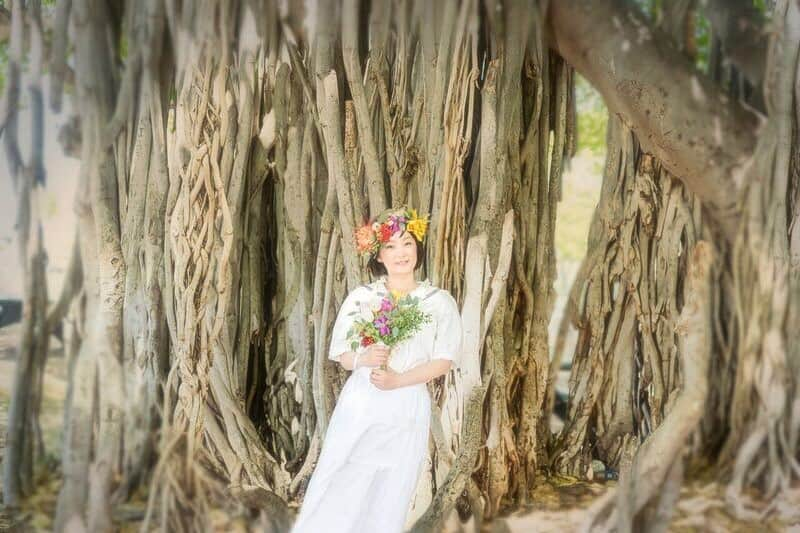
{"points": [[397, 295], [417, 227]]}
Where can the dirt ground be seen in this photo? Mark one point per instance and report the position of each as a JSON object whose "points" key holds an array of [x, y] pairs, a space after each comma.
{"points": [[558, 505]]}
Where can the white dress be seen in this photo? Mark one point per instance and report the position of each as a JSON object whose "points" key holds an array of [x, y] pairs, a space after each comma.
{"points": [[377, 440]]}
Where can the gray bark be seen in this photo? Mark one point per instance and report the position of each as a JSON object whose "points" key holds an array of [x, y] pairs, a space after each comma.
{"points": [[24, 447]]}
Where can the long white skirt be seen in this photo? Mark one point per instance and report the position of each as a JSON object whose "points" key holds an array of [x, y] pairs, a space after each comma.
{"points": [[371, 459]]}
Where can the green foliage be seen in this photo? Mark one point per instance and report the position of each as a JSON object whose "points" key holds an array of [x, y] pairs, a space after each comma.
{"points": [[702, 37], [592, 131], [580, 193], [592, 117], [3, 65], [581, 184], [648, 7], [123, 47]]}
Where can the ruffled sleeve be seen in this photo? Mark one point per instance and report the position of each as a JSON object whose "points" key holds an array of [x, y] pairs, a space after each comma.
{"points": [[448, 341], [348, 312]]}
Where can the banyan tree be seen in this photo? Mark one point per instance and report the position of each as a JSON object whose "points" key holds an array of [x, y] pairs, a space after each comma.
{"points": [[228, 150]]}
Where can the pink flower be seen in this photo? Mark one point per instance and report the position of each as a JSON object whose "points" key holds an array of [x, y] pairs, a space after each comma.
{"points": [[386, 305]]}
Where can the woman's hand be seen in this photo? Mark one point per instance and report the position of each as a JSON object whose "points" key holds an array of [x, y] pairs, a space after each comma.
{"points": [[374, 355], [385, 379]]}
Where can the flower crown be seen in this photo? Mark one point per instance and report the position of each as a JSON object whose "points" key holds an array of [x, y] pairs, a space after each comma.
{"points": [[369, 237]]}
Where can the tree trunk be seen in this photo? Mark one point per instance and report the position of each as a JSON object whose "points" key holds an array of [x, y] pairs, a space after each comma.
{"points": [[628, 295], [647, 490], [752, 295], [249, 141], [762, 442], [24, 445]]}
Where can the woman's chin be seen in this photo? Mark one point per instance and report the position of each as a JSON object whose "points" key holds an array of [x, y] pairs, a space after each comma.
{"points": [[401, 269]]}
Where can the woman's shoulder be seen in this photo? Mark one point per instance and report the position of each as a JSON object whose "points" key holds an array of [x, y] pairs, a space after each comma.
{"points": [[371, 288], [366, 291], [360, 291], [437, 295]]}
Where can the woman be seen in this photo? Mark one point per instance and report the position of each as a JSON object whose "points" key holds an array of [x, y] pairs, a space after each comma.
{"points": [[377, 438]]}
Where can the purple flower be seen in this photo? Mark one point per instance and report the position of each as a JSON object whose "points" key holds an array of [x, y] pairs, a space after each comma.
{"points": [[386, 305], [392, 223], [384, 330]]}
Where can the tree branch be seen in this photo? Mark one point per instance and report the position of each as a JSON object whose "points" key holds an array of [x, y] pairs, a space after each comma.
{"points": [[73, 282], [678, 115]]}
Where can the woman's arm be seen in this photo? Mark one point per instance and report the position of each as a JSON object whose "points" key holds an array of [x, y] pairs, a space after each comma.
{"points": [[375, 355], [389, 379], [347, 359]]}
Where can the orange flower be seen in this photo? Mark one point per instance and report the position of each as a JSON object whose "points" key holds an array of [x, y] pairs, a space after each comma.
{"points": [[365, 238]]}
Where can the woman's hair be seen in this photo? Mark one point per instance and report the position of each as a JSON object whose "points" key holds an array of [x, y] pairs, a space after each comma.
{"points": [[378, 269]]}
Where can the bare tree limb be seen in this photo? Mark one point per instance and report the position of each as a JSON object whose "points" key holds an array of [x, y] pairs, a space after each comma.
{"points": [[58, 53], [680, 116], [352, 67], [73, 283], [457, 478]]}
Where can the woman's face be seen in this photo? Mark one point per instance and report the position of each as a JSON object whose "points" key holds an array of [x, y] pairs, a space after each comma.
{"points": [[399, 254]]}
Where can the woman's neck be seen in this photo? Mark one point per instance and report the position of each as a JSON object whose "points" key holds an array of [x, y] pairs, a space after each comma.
{"points": [[404, 283]]}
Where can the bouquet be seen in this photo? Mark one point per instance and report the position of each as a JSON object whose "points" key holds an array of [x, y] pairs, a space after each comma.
{"points": [[397, 319]]}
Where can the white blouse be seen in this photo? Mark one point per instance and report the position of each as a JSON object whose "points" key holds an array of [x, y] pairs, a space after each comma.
{"points": [[440, 338]]}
